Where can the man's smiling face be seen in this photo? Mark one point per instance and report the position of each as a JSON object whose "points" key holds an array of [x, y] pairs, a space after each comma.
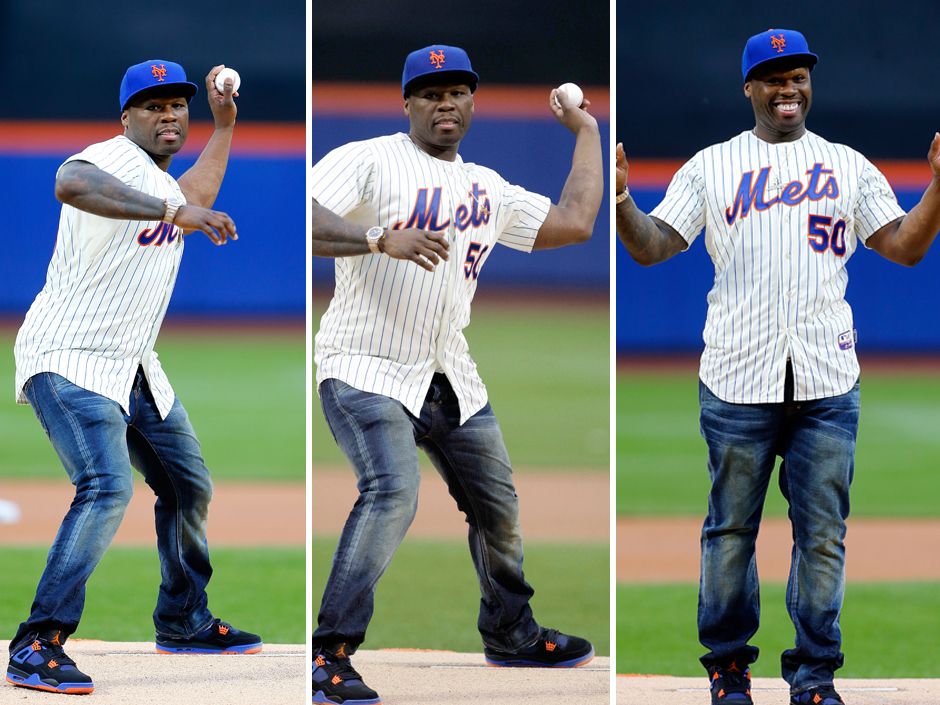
{"points": [[781, 95]]}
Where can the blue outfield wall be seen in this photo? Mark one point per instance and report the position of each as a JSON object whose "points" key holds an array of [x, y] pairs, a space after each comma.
{"points": [[662, 308], [260, 274], [532, 152]]}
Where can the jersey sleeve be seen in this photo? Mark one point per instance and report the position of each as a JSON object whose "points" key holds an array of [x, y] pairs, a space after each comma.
{"points": [[520, 215], [343, 179], [683, 206], [876, 205], [117, 157]]}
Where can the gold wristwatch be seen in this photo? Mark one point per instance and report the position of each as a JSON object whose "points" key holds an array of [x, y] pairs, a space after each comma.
{"points": [[622, 196]]}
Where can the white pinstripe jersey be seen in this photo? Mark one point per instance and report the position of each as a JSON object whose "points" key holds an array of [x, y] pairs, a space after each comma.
{"points": [[391, 325], [107, 289], [781, 222]]}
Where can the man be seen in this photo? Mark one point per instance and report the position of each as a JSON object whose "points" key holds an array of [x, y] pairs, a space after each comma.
{"points": [[393, 368], [85, 363], [783, 210]]}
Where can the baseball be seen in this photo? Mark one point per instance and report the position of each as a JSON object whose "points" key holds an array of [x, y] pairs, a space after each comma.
{"points": [[227, 73], [569, 95]]}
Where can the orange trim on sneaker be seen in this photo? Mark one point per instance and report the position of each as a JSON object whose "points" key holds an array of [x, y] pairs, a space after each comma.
{"points": [[49, 689]]}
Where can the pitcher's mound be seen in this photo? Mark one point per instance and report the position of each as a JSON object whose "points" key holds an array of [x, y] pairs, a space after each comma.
{"points": [[414, 677], [132, 673], [655, 690]]}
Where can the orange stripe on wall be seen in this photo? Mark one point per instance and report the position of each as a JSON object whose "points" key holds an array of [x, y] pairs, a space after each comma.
{"points": [[499, 101], [48, 137], [655, 173]]}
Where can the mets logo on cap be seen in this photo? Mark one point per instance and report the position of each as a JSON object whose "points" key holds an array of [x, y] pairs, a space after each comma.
{"points": [[437, 58], [778, 42], [159, 72]]}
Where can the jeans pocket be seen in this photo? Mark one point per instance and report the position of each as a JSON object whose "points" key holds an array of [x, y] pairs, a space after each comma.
{"points": [[328, 388], [30, 393]]}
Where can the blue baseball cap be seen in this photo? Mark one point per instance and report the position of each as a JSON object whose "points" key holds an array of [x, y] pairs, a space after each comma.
{"points": [[153, 74], [438, 60], [772, 45]]}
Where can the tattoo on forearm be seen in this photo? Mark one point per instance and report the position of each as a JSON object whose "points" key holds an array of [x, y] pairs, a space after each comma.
{"points": [[334, 236], [90, 189], [643, 238]]}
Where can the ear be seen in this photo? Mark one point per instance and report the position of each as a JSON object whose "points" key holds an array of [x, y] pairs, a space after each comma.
{"points": [[406, 108], [124, 119], [747, 89], [471, 104]]}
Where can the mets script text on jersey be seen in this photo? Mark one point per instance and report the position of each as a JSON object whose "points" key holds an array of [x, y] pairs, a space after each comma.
{"points": [[425, 216], [793, 193]]}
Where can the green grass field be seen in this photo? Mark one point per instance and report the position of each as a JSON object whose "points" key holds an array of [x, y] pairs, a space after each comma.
{"points": [[888, 630], [661, 463], [261, 590], [548, 384], [429, 597], [243, 390]]}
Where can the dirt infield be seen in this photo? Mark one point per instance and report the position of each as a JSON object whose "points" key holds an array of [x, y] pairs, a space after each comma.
{"points": [[656, 690], [667, 549], [404, 677], [553, 505], [126, 673], [241, 514]]}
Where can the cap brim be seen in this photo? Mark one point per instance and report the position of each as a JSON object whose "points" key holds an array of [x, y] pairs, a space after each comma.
{"points": [[439, 78], [809, 60], [187, 90]]}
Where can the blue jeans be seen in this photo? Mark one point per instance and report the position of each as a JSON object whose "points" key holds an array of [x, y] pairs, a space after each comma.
{"points": [[816, 440], [97, 443], [380, 438]]}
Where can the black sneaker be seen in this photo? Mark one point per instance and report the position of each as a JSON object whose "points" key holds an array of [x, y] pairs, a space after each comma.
{"points": [[820, 695], [218, 638], [43, 665], [336, 682], [730, 685], [551, 650]]}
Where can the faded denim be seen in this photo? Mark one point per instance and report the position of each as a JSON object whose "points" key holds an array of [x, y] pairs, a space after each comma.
{"points": [[816, 440], [380, 438], [98, 444]]}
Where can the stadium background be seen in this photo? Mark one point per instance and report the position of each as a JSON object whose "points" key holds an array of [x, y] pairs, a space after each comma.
{"points": [[679, 90], [540, 327], [233, 342]]}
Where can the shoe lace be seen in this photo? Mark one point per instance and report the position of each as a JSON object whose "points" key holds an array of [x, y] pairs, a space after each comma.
{"points": [[732, 680], [341, 667], [56, 653], [824, 693]]}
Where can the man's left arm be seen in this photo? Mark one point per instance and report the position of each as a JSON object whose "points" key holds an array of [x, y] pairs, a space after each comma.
{"points": [[572, 220], [907, 239], [201, 182]]}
